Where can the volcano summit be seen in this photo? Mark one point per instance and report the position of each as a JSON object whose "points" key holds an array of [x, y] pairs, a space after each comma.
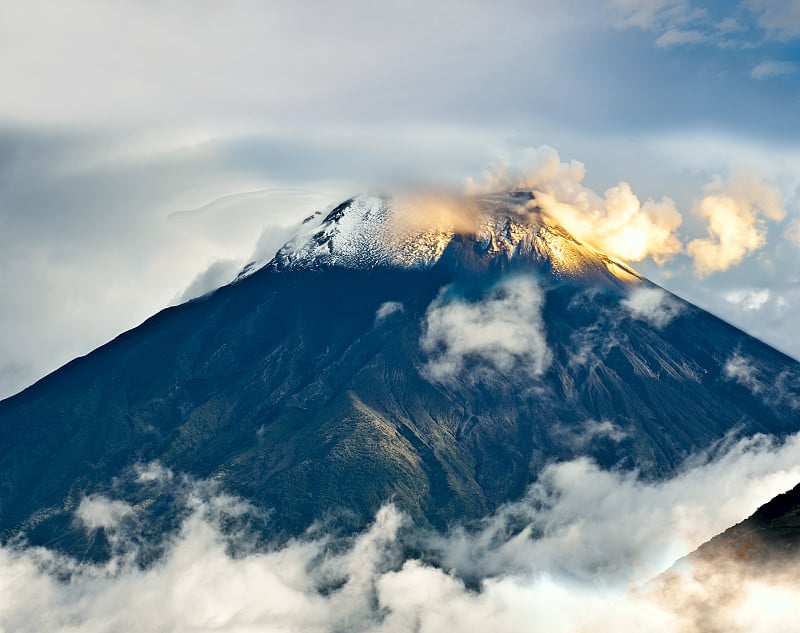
{"points": [[387, 353]]}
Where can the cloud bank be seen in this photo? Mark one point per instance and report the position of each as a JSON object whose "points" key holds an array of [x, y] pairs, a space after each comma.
{"points": [[577, 553]]}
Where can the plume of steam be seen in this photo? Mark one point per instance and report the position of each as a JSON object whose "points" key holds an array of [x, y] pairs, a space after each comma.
{"points": [[735, 212], [616, 223]]}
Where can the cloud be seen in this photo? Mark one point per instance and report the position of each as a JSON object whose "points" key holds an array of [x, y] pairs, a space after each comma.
{"points": [[736, 212], [581, 436], [792, 232], [737, 367], [503, 329], [386, 309], [576, 553], [780, 391], [617, 223], [770, 69], [652, 304], [684, 22], [649, 14], [676, 37], [218, 273], [749, 300], [779, 18], [111, 229], [101, 512]]}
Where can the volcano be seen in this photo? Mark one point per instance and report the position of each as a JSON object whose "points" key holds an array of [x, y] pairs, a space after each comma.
{"points": [[374, 359]]}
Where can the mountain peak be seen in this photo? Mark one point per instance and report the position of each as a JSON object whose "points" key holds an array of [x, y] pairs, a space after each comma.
{"points": [[367, 232]]}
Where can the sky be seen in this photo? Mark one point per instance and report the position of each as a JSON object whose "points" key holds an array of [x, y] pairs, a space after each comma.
{"points": [[149, 149]]}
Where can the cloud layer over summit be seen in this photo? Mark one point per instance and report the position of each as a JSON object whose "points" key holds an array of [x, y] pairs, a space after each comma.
{"points": [[147, 150]]}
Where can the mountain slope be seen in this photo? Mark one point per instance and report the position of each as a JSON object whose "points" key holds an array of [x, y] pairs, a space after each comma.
{"points": [[769, 537], [341, 375]]}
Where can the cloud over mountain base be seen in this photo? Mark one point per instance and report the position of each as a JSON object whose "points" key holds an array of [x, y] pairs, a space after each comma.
{"points": [[579, 552]]}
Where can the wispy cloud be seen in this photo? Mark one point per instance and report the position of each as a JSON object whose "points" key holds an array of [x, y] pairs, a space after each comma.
{"points": [[778, 391], [386, 309], [652, 304], [779, 18], [685, 22], [770, 69], [676, 37]]}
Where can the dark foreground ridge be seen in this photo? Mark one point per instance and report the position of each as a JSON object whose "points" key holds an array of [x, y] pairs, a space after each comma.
{"points": [[291, 388], [771, 536]]}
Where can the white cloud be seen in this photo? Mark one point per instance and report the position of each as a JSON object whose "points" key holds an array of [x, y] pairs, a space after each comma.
{"points": [[218, 273], [97, 511], [386, 309], [779, 18], [741, 369], [651, 14], [736, 212], [580, 436], [575, 554], [504, 330], [682, 22], [782, 390], [770, 69], [750, 300], [677, 37], [153, 473], [652, 304]]}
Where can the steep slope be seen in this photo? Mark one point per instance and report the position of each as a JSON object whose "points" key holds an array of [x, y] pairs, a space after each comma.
{"points": [[768, 538], [437, 368], [731, 573]]}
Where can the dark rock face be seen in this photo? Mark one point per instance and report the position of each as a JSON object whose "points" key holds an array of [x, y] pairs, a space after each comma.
{"points": [[286, 389]]}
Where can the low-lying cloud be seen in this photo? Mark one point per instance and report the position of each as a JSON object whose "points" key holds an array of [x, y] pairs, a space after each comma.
{"points": [[653, 305], [779, 391], [578, 552], [386, 309], [503, 329]]}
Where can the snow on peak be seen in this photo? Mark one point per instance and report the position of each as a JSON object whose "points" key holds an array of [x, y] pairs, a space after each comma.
{"points": [[373, 232], [362, 232]]}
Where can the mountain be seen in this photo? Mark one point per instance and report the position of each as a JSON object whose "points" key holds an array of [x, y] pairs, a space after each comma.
{"points": [[769, 537], [377, 358], [727, 578]]}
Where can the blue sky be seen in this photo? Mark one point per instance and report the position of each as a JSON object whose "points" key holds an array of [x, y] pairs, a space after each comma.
{"points": [[146, 147]]}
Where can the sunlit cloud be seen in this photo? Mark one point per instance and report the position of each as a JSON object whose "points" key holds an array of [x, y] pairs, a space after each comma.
{"points": [[736, 212], [617, 223]]}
